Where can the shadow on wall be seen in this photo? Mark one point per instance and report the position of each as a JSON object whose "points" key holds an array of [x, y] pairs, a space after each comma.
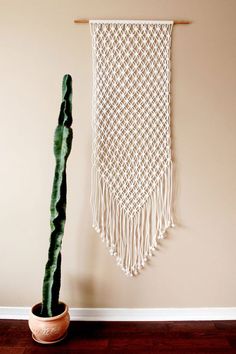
{"points": [[83, 288], [83, 291]]}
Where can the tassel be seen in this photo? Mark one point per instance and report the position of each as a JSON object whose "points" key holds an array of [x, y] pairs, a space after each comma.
{"points": [[132, 240]]}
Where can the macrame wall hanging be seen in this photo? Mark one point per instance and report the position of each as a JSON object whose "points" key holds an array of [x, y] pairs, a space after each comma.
{"points": [[132, 167]]}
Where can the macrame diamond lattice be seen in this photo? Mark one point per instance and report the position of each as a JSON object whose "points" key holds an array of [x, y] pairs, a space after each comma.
{"points": [[131, 184]]}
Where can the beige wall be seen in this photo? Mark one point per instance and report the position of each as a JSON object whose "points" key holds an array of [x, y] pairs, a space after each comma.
{"points": [[196, 265]]}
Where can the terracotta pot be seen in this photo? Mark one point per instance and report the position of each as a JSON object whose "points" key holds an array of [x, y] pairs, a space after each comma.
{"points": [[49, 330]]}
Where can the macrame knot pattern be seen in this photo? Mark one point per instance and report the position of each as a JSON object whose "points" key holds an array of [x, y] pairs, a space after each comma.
{"points": [[131, 173]]}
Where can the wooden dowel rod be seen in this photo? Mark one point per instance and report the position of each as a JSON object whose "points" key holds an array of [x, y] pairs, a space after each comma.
{"points": [[83, 21], [182, 22]]}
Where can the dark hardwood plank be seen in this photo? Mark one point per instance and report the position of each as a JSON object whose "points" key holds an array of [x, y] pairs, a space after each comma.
{"points": [[123, 344], [232, 341], [191, 343], [44, 350], [7, 350], [218, 337], [225, 326], [193, 351]]}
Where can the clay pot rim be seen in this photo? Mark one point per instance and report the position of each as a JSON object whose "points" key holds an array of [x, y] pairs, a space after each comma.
{"points": [[47, 319]]}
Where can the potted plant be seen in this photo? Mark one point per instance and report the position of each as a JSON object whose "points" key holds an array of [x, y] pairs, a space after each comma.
{"points": [[49, 320]]}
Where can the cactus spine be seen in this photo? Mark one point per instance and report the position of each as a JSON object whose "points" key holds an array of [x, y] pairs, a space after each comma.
{"points": [[62, 147]]}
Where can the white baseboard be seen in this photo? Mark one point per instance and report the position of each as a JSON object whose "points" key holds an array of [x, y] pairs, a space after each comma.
{"points": [[132, 314]]}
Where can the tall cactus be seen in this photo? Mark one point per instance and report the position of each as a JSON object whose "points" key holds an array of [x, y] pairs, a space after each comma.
{"points": [[62, 147]]}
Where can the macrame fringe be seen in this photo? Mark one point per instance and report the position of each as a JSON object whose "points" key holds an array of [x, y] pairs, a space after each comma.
{"points": [[132, 240]]}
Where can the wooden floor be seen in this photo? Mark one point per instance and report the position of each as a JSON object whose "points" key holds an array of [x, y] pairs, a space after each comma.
{"points": [[126, 337]]}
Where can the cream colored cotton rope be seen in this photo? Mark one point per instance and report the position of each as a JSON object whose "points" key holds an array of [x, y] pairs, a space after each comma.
{"points": [[132, 169]]}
